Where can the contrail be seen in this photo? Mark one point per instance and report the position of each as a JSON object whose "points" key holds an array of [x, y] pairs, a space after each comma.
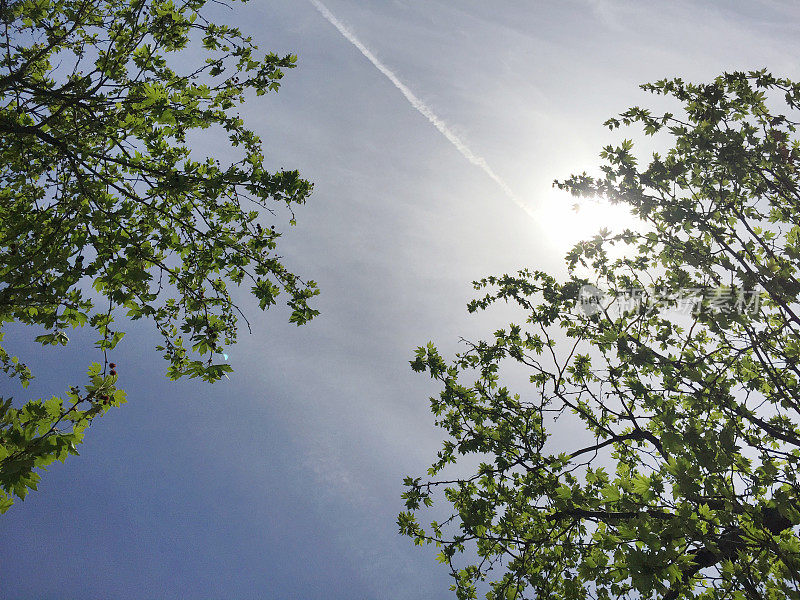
{"points": [[423, 108]]}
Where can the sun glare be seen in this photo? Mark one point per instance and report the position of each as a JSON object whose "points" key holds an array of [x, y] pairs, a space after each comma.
{"points": [[567, 220]]}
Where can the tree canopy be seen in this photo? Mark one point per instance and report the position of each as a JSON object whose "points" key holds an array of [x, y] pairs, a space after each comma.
{"points": [[108, 210], [654, 452]]}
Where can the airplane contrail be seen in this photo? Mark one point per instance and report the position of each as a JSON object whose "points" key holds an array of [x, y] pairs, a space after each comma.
{"points": [[423, 108]]}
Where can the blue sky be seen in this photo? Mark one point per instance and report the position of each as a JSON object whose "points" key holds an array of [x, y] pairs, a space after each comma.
{"points": [[285, 481]]}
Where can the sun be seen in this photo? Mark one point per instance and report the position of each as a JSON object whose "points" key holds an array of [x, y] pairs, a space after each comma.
{"points": [[567, 220]]}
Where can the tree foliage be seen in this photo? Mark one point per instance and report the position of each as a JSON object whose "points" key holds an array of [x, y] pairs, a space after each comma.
{"points": [[655, 452], [106, 210]]}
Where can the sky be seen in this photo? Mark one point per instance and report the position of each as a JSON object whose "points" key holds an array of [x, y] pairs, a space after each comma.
{"points": [[285, 481]]}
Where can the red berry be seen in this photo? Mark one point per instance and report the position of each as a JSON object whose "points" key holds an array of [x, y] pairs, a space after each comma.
{"points": [[113, 372], [113, 365]]}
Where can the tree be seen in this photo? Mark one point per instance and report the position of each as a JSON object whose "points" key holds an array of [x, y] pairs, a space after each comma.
{"points": [[106, 209], [675, 350]]}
